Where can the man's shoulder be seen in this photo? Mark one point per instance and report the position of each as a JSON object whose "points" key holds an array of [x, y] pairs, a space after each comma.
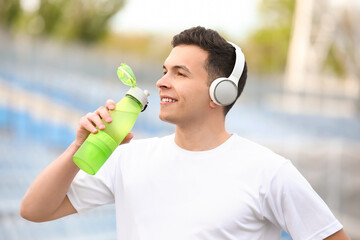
{"points": [[256, 153], [251, 146]]}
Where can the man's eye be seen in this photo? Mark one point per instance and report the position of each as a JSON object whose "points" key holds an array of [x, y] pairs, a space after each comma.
{"points": [[164, 73], [181, 74]]}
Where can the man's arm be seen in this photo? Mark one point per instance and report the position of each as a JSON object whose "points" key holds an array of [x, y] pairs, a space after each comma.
{"points": [[340, 235], [46, 198]]}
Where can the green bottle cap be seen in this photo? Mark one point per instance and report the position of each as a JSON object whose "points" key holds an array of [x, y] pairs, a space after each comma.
{"points": [[126, 75]]}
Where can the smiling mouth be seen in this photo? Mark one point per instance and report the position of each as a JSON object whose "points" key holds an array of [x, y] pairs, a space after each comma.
{"points": [[168, 100]]}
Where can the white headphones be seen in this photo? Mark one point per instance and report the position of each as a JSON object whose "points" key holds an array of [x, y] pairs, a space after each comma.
{"points": [[223, 91]]}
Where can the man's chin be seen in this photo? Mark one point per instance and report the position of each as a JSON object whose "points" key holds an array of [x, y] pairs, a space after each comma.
{"points": [[166, 119]]}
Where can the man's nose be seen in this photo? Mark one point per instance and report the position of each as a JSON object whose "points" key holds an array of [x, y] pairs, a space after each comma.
{"points": [[163, 82]]}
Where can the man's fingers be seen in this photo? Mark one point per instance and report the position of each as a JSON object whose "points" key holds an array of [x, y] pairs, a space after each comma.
{"points": [[103, 112], [94, 119], [128, 138], [110, 104], [86, 124]]}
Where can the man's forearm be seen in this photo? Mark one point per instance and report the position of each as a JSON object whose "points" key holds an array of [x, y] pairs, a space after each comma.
{"points": [[48, 191], [340, 235]]}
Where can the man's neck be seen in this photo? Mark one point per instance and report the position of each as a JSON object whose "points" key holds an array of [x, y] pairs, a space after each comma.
{"points": [[200, 138]]}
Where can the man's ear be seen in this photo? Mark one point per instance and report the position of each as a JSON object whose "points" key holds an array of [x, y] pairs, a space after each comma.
{"points": [[213, 105]]}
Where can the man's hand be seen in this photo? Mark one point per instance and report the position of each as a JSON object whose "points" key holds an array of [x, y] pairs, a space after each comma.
{"points": [[91, 122]]}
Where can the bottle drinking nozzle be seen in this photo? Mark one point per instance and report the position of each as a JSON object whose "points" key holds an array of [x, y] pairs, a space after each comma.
{"points": [[98, 147]]}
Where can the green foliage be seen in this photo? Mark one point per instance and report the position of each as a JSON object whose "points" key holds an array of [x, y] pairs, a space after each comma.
{"points": [[87, 20], [334, 64], [51, 12], [84, 20], [267, 46], [267, 50], [10, 10]]}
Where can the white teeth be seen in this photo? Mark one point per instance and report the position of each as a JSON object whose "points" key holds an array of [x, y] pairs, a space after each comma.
{"points": [[168, 100]]}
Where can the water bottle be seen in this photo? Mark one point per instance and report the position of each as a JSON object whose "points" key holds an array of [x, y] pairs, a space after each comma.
{"points": [[98, 147]]}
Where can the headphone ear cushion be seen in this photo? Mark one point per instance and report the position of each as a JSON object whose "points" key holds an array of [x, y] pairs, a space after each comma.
{"points": [[223, 91]]}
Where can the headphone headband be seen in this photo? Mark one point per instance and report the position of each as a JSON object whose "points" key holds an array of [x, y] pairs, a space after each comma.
{"points": [[239, 64], [223, 91]]}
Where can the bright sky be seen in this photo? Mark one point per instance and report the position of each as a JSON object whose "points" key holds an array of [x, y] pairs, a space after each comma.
{"points": [[232, 17]]}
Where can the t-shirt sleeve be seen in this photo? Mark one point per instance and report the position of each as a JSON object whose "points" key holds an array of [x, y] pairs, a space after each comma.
{"points": [[90, 191], [291, 203]]}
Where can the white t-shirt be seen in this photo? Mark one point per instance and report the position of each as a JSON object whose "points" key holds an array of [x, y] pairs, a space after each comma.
{"points": [[239, 190]]}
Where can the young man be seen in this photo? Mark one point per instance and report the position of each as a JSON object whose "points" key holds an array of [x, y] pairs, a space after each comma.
{"points": [[199, 183]]}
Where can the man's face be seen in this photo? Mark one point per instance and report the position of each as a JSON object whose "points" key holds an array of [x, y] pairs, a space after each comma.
{"points": [[184, 89]]}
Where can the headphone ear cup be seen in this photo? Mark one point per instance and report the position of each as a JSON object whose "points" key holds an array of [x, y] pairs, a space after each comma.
{"points": [[223, 91]]}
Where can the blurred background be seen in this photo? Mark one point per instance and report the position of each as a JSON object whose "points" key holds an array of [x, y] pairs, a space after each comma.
{"points": [[58, 61]]}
